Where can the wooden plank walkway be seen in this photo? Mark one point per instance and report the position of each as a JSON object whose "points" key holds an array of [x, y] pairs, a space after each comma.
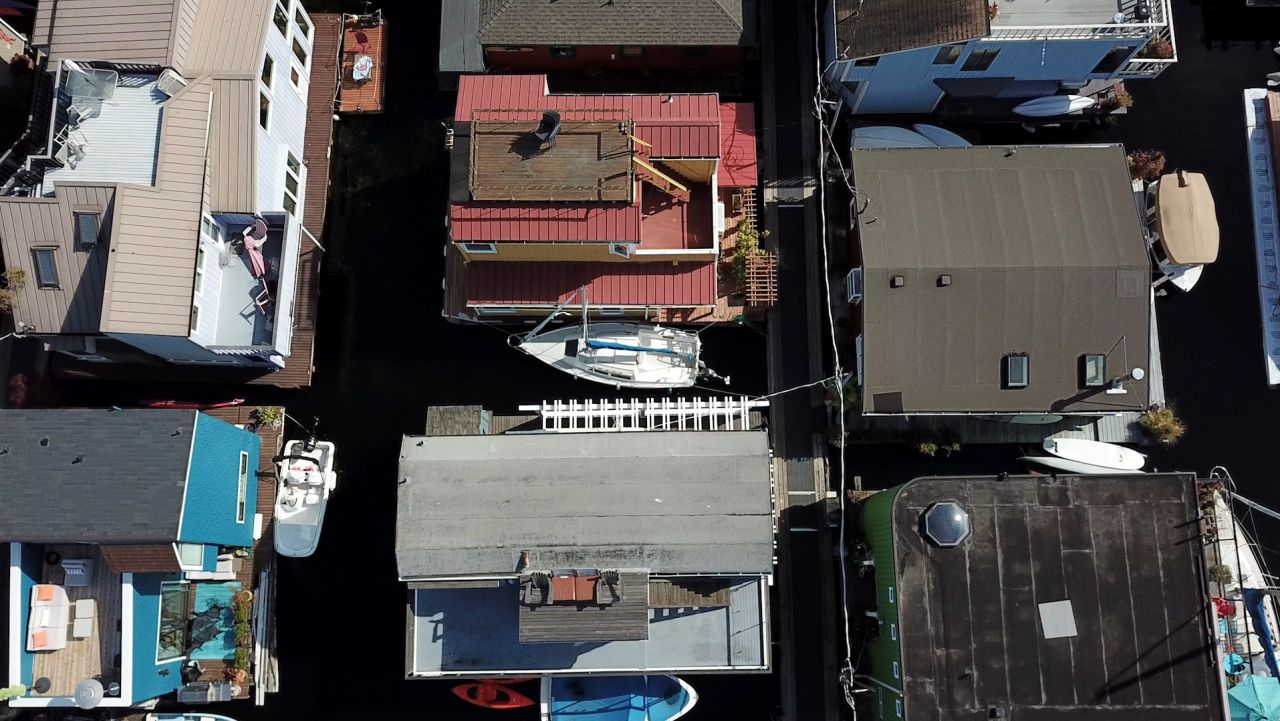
{"points": [[263, 553], [97, 656]]}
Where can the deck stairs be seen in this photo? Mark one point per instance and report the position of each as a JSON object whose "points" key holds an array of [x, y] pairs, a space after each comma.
{"points": [[719, 413], [664, 180]]}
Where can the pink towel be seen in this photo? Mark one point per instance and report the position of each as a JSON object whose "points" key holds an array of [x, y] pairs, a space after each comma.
{"points": [[257, 264]]}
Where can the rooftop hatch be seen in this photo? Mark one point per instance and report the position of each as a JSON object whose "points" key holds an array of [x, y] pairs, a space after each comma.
{"points": [[945, 524]]}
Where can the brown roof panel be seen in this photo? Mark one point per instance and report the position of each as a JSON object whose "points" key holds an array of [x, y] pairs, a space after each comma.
{"points": [[146, 558], [1043, 254], [589, 161], [889, 26], [628, 284]]}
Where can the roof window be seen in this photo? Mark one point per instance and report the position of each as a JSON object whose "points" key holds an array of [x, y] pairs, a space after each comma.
{"points": [[1016, 370]]}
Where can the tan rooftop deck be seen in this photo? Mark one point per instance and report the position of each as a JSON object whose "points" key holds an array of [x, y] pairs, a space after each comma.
{"points": [[97, 656], [366, 96], [591, 161]]}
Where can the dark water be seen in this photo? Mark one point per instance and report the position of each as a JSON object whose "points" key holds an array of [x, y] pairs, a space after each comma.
{"points": [[385, 354]]}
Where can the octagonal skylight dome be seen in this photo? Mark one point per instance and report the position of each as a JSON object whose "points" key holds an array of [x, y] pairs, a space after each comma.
{"points": [[946, 524]]}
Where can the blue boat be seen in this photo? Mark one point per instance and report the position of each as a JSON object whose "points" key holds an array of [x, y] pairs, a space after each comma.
{"points": [[616, 698]]}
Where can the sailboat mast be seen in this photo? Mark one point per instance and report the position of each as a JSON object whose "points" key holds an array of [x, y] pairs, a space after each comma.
{"points": [[585, 320], [538, 328]]}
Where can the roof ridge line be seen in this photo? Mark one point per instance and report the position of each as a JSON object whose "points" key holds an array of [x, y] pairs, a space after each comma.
{"points": [[740, 25], [506, 5]]}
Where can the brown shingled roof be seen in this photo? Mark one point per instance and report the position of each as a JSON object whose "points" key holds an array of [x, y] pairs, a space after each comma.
{"points": [[890, 26], [623, 22]]}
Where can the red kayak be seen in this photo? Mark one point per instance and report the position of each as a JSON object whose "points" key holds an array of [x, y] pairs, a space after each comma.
{"points": [[197, 406], [491, 695]]}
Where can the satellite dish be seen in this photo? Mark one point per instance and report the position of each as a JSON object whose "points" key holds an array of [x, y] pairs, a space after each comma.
{"points": [[548, 128], [89, 693]]}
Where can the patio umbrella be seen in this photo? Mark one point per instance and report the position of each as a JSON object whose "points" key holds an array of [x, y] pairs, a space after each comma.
{"points": [[1257, 698], [89, 693]]}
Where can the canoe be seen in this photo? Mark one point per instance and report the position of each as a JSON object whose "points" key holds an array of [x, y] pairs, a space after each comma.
{"points": [[1095, 453], [1069, 466], [888, 136], [491, 695], [941, 137], [1052, 105]]}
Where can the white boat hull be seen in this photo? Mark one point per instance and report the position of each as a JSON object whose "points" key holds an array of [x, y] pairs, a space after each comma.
{"points": [[941, 137], [1095, 453], [1048, 107], [643, 356], [1069, 466], [888, 136], [300, 504]]}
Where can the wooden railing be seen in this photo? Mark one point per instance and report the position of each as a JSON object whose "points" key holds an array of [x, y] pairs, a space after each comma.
{"points": [[762, 280]]}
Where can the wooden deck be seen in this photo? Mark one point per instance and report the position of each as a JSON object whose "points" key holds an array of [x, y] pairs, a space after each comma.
{"points": [[263, 554], [626, 620], [590, 161], [363, 97], [317, 140], [97, 656], [686, 593]]}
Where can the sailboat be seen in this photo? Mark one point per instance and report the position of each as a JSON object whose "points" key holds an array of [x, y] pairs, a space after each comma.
{"points": [[619, 354], [306, 480]]}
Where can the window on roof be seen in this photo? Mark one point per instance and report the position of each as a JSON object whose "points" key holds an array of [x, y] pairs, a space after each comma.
{"points": [[479, 248], [87, 225], [1093, 370], [171, 640], [1016, 370], [870, 62], [46, 267], [264, 111], [948, 54], [563, 51], [292, 180], [242, 488], [268, 70], [190, 556], [980, 59], [280, 19], [303, 22], [195, 317], [897, 707], [300, 52], [631, 51]]}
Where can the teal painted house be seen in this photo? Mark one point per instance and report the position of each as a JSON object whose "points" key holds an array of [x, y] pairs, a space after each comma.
{"points": [[119, 525]]}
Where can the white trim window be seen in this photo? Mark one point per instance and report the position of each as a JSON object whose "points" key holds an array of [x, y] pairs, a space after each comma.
{"points": [[199, 283], [612, 310], [190, 556], [264, 111], [171, 633], [268, 70], [302, 22], [292, 183], [280, 18], [479, 248], [242, 488]]}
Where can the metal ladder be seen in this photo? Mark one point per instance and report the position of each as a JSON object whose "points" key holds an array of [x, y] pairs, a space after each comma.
{"points": [[726, 413]]}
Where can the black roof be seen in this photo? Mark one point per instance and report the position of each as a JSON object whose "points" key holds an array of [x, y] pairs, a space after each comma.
{"points": [[93, 476], [1123, 550]]}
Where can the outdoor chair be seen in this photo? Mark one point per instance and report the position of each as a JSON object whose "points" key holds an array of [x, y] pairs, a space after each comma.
{"points": [[86, 610]]}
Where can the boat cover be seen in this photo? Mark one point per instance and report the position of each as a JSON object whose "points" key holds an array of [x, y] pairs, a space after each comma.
{"points": [[1187, 219], [1253, 602]]}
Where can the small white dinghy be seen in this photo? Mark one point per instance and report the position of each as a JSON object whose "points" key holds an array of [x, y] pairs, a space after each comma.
{"points": [[306, 480], [1052, 105], [941, 137], [1095, 453], [1070, 466], [620, 354]]}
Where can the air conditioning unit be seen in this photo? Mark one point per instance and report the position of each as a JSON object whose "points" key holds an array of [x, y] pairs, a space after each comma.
{"points": [[625, 250], [853, 286]]}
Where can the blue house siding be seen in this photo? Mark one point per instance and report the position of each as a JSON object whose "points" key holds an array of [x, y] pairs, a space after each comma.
{"points": [[904, 82], [209, 508], [31, 564], [150, 679]]}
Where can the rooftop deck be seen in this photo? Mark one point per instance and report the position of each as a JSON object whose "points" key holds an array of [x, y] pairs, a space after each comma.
{"points": [[467, 631], [668, 223], [99, 654], [240, 322], [589, 161], [118, 137], [365, 96]]}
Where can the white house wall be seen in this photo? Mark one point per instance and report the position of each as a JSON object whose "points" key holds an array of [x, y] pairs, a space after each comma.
{"points": [[207, 298], [288, 121], [904, 82]]}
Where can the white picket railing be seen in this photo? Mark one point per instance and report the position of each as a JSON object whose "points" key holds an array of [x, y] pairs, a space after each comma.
{"points": [[723, 413]]}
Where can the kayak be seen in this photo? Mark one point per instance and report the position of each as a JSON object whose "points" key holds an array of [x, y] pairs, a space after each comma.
{"points": [[491, 695]]}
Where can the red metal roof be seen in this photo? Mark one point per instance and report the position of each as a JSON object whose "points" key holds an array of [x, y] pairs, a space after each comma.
{"points": [[738, 167], [677, 126], [622, 283], [542, 222]]}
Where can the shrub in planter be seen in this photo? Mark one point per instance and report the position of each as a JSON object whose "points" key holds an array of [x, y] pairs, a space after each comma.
{"points": [[242, 660], [1158, 49], [1146, 165], [1163, 424], [1221, 573]]}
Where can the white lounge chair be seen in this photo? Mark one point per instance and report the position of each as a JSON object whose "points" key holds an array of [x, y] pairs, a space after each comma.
{"points": [[86, 609], [49, 615]]}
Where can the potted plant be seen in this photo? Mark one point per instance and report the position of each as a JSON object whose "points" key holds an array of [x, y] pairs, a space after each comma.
{"points": [[1163, 424], [1146, 165], [746, 245], [992, 11], [1158, 49], [1115, 101], [1221, 573], [269, 417], [12, 281]]}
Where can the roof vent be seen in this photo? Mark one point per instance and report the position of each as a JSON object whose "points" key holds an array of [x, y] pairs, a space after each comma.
{"points": [[548, 128], [945, 524], [897, 281], [44, 442], [944, 280]]}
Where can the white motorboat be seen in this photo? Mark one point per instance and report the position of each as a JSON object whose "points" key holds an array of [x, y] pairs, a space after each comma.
{"points": [[1182, 232], [1095, 453], [941, 137], [306, 480], [1069, 466], [888, 136], [1052, 105], [620, 354]]}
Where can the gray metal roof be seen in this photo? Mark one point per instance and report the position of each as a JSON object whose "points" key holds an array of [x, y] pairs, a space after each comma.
{"points": [[632, 22], [1042, 252], [671, 502], [460, 50], [977, 622], [93, 476]]}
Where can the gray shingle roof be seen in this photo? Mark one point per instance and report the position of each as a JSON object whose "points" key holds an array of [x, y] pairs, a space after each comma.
{"points": [[621, 22], [93, 476], [874, 27], [671, 502]]}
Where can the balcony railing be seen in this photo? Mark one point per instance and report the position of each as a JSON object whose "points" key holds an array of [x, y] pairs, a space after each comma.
{"points": [[1158, 25]]}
